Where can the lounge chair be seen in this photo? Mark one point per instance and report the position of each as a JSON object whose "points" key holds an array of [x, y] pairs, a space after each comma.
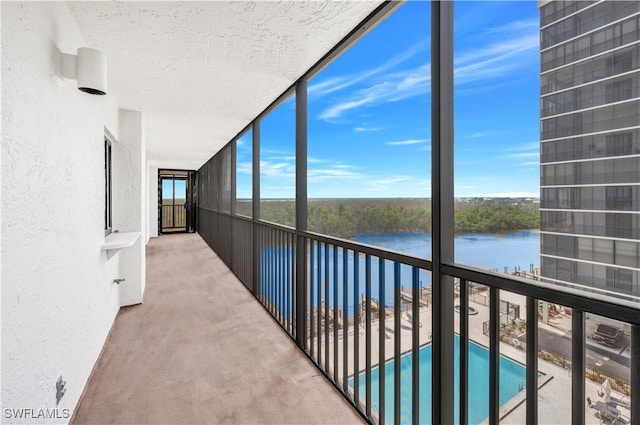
{"points": [[606, 411]]}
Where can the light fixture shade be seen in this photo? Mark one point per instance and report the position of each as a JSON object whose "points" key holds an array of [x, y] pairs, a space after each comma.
{"points": [[91, 71]]}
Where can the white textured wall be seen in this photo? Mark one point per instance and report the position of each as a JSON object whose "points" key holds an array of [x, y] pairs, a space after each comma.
{"points": [[129, 184], [58, 300]]}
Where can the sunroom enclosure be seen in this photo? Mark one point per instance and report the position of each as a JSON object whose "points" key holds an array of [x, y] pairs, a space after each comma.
{"points": [[301, 278]]}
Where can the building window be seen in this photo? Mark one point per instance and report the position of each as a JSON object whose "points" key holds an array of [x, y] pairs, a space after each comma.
{"points": [[620, 280], [619, 63], [107, 187], [619, 144], [619, 90], [619, 198]]}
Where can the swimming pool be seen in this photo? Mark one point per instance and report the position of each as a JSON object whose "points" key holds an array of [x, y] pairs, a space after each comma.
{"points": [[512, 379]]}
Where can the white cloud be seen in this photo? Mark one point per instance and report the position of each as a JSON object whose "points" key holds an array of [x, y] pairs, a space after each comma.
{"points": [[508, 47], [523, 155], [479, 135], [511, 27], [312, 160], [526, 147], [365, 129], [341, 82], [396, 86], [244, 167], [322, 174], [513, 42], [278, 170], [408, 142]]}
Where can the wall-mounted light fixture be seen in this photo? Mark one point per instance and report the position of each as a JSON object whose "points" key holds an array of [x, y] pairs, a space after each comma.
{"points": [[88, 67]]}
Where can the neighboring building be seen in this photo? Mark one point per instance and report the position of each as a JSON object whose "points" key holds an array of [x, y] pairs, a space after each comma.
{"points": [[590, 144]]}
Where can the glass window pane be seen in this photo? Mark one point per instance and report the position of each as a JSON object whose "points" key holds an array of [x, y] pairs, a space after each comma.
{"points": [[277, 164], [554, 363], [607, 371], [369, 137], [496, 127], [244, 174], [225, 179]]}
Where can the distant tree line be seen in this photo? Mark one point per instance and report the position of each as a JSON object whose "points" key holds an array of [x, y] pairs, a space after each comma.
{"points": [[345, 218], [497, 218]]}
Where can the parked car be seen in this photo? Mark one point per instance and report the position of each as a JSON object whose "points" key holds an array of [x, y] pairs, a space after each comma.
{"points": [[607, 335]]}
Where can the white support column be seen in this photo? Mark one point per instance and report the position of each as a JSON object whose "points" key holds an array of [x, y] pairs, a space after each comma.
{"points": [[129, 190], [152, 203]]}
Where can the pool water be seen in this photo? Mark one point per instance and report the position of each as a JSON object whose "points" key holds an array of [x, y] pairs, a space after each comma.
{"points": [[512, 379], [470, 310]]}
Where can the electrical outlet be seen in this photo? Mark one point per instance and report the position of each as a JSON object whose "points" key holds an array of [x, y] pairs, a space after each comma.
{"points": [[60, 389]]}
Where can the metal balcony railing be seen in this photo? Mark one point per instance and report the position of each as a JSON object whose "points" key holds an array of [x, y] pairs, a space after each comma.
{"points": [[356, 311], [174, 216], [556, 129], [555, 105]]}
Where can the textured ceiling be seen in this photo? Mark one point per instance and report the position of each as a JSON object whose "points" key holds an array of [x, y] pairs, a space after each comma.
{"points": [[201, 71]]}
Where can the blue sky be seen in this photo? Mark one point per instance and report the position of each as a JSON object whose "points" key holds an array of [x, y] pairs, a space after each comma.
{"points": [[168, 189], [369, 111]]}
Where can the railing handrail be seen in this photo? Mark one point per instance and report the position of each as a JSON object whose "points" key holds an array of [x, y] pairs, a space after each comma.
{"points": [[627, 309], [408, 259], [276, 288]]}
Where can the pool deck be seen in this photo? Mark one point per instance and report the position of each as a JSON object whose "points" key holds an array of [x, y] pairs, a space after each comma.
{"points": [[554, 394]]}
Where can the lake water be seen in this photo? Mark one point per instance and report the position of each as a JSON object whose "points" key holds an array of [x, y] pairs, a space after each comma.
{"points": [[490, 251], [486, 250]]}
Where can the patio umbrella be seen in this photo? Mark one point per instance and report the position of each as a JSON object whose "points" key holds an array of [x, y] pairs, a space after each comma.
{"points": [[606, 390]]}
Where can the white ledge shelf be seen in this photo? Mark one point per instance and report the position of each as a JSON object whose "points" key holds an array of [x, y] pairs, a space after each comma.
{"points": [[117, 241]]}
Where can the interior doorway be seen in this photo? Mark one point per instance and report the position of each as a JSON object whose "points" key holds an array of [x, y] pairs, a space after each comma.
{"points": [[175, 201]]}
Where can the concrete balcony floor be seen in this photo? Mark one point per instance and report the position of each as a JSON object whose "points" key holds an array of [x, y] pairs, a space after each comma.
{"points": [[201, 350]]}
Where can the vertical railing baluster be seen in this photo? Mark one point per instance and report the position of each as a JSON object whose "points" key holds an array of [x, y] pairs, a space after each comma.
{"points": [[279, 275], [291, 292], [278, 282], [274, 282], [272, 268], [320, 298], [415, 346], [282, 281], [267, 268], [290, 295], [464, 351], [262, 283], [312, 294], [345, 320], [397, 302], [356, 328], [266, 277], [283, 277], [326, 308], [532, 361], [264, 258], [494, 355], [336, 378], [264, 261], [635, 374], [381, 341], [577, 367], [367, 323]]}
